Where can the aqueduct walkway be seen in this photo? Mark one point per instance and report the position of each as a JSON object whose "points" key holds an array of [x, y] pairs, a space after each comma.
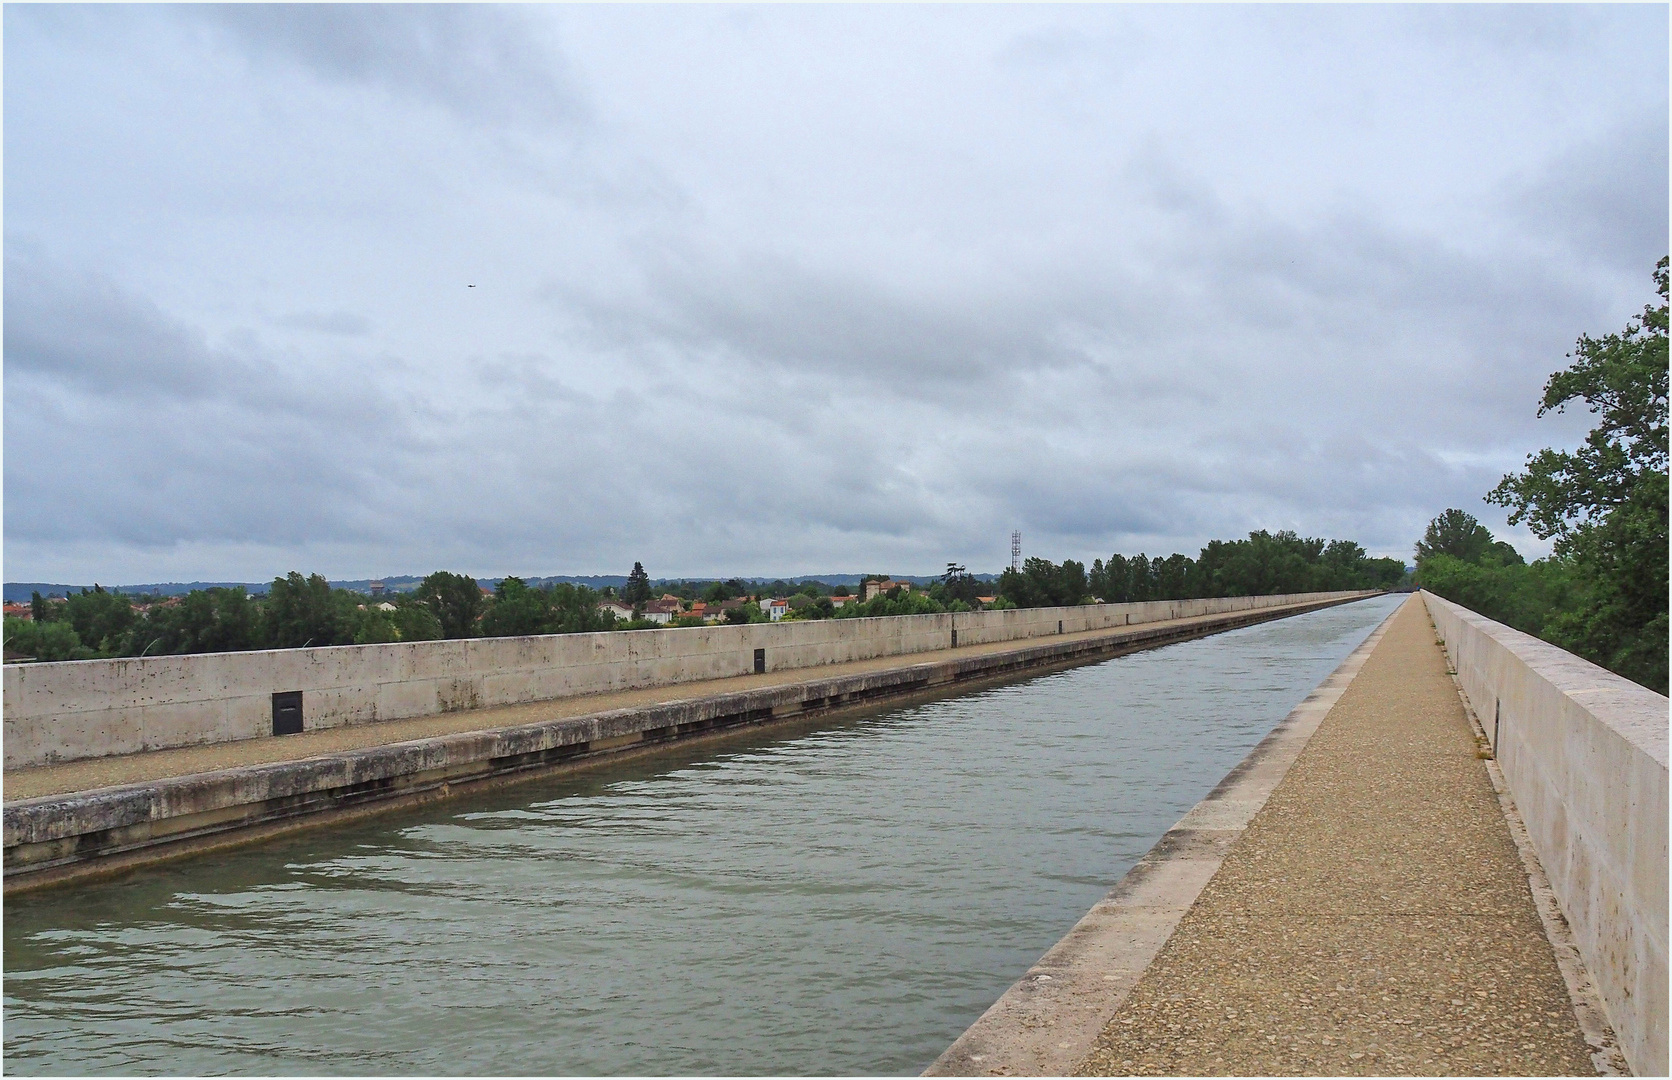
{"points": [[1386, 886], [1374, 917]]}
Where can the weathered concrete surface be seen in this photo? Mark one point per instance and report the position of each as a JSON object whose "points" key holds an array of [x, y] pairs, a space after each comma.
{"points": [[1374, 917], [167, 799], [1584, 754], [94, 708], [1049, 1020]]}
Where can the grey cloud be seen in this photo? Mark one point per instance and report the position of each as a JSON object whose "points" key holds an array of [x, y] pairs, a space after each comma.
{"points": [[1158, 179], [1361, 310], [769, 310], [1307, 329], [702, 460], [344, 323], [1605, 197], [787, 323], [1513, 30], [1073, 63], [1088, 503], [1342, 308], [82, 329], [479, 61], [175, 472], [123, 424]]}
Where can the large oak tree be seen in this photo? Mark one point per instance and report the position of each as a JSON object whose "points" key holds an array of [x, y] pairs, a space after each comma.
{"points": [[1605, 503]]}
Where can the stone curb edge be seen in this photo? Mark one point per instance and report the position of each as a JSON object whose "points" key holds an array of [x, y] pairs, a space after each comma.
{"points": [[1050, 1018]]}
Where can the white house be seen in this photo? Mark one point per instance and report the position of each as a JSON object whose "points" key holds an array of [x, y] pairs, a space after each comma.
{"points": [[663, 611]]}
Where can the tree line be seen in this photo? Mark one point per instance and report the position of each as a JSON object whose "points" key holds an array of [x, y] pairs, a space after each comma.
{"points": [[1602, 592], [298, 611], [1261, 565], [295, 612], [1264, 564]]}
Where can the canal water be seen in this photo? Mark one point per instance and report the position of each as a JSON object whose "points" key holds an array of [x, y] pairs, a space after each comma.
{"points": [[844, 897]]}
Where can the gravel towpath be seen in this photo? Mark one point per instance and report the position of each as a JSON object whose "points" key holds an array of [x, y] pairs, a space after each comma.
{"points": [[1373, 919]]}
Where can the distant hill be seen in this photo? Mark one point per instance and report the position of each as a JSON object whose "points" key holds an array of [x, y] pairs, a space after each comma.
{"points": [[20, 591], [830, 579]]}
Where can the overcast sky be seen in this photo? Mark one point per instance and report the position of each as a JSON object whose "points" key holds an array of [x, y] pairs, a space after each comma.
{"points": [[765, 290]]}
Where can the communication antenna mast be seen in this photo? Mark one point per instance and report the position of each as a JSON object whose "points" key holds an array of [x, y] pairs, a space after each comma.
{"points": [[1016, 550]]}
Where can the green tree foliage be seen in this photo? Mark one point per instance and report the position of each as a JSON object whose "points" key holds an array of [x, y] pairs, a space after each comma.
{"points": [[637, 590], [410, 620], [748, 612], [575, 611], [1261, 565], [373, 626], [455, 599], [516, 610], [957, 586], [563, 608], [101, 620], [1042, 583], [1457, 534], [90, 624], [54, 639], [805, 606], [204, 620], [894, 602], [414, 621], [1171, 577], [1512, 592], [1492, 578], [296, 611], [1122, 580], [301, 612], [1606, 502]]}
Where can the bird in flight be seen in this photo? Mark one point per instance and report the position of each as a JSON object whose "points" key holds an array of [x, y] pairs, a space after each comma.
{"points": [[470, 286]]}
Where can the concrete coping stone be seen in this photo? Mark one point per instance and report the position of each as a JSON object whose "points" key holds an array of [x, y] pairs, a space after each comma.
{"points": [[1637, 714]]}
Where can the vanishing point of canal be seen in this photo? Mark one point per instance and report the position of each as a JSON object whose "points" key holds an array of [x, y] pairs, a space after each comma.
{"points": [[842, 896]]}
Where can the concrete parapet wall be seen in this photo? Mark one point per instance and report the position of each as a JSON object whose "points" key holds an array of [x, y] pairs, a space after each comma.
{"points": [[96, 708], [1585, 755]]}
